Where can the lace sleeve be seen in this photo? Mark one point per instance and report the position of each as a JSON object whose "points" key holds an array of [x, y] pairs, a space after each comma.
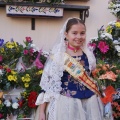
{"points": [[46, 97]]}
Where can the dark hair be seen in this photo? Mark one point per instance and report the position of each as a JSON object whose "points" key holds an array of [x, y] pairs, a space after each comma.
{"points": [[73, 21]]}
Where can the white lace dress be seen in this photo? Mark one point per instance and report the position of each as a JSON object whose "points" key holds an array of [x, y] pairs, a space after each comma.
{"points": [[74, 109]]}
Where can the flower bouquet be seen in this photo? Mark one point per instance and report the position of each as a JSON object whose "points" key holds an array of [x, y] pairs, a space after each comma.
{"points": [[113, 28], [29, 80], [116, 105], [107, 76], [10, 52], [107, 72], [22, 73], [114, 6], [103, 47], [8, 78], [30, 52], [8, 106]]}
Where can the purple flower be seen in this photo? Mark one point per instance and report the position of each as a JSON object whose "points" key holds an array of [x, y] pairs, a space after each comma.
{"points": [[1, 42]]}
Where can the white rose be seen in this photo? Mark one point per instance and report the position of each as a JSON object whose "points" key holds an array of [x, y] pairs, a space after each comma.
{"points": [[1, 72], [33, 45], [117, 48], [115, 42], [109, 35], [7, 103], [15, 105], [118, 54]]}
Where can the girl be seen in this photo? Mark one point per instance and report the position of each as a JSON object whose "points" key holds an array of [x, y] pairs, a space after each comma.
{"points": [[68, 91]]}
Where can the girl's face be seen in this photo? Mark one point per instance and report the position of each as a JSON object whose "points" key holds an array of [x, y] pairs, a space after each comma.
{"points": [[76, 35]]}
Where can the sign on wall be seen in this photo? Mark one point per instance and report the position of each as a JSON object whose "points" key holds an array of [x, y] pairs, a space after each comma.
{"points": [[14, 10]]}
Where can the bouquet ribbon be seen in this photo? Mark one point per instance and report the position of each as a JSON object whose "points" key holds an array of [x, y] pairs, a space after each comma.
{"points": [[74, 68], [109, 91], [1, 95]]}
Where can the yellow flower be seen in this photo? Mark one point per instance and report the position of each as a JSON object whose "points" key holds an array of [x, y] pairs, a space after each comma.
{"points": [[14, 78], [10, 77], [109, 29], [1, 50], [24, 94], [117, 24], [39, 72], [111, 5], [9, 45], [23, 79], [13, 72], [26, 85], [26, 78], [15, 44]]}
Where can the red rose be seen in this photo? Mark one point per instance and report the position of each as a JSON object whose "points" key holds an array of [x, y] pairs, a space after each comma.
{"points": [[8, 70], [1, 67], [20, 103], [32, 99]]}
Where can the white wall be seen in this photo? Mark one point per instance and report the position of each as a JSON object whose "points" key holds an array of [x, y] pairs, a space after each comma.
{"points": [[46, 29]]}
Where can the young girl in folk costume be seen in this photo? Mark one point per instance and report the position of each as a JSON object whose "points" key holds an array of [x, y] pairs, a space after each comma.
{"points": [[68, 91]]}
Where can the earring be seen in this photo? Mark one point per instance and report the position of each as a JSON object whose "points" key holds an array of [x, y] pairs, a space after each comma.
{"points": [[66, 41]]}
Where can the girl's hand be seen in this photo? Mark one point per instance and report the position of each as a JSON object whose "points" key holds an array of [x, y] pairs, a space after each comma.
{"points": [[42, 116]]}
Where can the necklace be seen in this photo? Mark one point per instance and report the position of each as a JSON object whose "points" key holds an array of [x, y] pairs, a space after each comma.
{"points": [[73, 49]]}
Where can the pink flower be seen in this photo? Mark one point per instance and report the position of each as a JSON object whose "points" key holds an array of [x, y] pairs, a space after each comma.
{"points": [[25, 52], [103, 47], [31, 51], [1, 58], [109, 75], [28, 39], [38, 63], [1, 115], [92, 46]]}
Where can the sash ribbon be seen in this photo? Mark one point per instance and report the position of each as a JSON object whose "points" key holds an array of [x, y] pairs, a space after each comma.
{"points": [[74, 68]]}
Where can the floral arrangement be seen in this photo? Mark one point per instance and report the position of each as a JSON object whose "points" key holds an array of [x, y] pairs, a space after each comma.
{"points": [[8, 78], [113, 28], [106, 48], [8, 106], [116, 105], [103, 46], [20, 67], [107, 56], [30, 52], [107, 77], [114, 6], [10, 52]]}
